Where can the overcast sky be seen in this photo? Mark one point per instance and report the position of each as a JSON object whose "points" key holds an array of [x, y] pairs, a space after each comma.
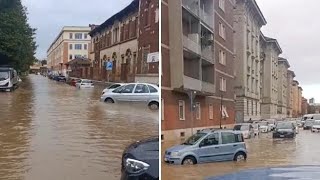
{"points": [[294, 24], [49, 16]]}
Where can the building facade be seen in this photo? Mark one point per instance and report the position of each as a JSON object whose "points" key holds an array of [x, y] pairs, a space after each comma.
{"points": [[304, 106], [300, 101], [72, 42], [283, 66], [290, 76], [148, 42], [248, 20], [193, 40], [295, 107], [270, 51]]}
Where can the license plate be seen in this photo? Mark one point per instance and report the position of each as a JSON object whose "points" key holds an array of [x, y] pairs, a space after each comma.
{"points": [[281, 135]]}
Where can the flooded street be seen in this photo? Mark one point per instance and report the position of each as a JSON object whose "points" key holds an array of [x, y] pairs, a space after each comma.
{"points": [[262, 152], [50, 130]]}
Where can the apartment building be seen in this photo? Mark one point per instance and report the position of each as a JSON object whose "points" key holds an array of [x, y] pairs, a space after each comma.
{"points": [[116, 41], [283, 66], [300, 101], [71, 42], [188, 73], [290, 76], [295, 107], [148, 42], [270, 51], [248, 20], [304, 106]]}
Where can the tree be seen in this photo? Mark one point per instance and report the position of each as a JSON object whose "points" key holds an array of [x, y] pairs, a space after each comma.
{"points": [[17, 38]]}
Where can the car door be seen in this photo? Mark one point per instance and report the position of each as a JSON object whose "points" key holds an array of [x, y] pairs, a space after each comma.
{"points": [[141, 93], [154, 93], [208, 150], [228, 146], [126, 93]]}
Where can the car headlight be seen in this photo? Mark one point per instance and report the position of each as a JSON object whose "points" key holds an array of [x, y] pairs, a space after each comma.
{"points": [[175, 154], [134, 166]]}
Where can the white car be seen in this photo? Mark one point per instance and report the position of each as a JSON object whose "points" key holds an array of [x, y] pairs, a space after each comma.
{"points": [[246, 129], [84, 83], [316, 126], [134, 92], [264, 126], [112, 87]]}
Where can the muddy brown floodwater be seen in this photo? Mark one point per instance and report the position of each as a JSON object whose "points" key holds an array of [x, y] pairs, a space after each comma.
{"points": [[52, 131], [262, 152]]}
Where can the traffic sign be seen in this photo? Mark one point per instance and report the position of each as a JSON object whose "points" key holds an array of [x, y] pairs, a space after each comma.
{"points": [[109, 66]]}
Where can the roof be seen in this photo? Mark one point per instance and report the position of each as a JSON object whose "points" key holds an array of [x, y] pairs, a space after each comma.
{"points": [[292, 72], [284, 61], [258, 10], [296, 82], [134, 5], [273, 41], [79, 61]]}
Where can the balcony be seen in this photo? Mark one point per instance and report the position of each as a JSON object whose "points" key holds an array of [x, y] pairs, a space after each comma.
{"points": [[206, 18], [207, 53], [191, 5], [191, 42], [192, 83], [208, 87]]}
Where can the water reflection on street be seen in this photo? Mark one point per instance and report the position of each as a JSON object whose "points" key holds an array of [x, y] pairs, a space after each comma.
{"points": [[263, 152], [50, 130]]}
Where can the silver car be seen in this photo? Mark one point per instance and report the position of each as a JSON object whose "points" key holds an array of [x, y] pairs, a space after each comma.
{"points": [[134, 92]]}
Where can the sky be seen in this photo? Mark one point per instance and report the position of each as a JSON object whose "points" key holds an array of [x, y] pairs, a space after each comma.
{"points": [[294, 24], [49, 16]]}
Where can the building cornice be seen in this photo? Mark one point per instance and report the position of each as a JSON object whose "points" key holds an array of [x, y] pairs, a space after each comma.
{"points": [[252, 4], [284, 61]]}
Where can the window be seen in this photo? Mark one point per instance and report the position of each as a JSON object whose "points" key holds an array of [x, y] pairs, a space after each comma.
{"points": [[152, 89], [141, 88], [85, 46], [221, 4], [70, 35], [222, 30], [181, 110], [212, 139], [70, 46], [222, 57], [70, 56], [223, 84], [128, 88], [157, 15], [146, 16], [210, 111], [77, 56], [162, 108], [198, 110], [78, 46], [114, 86], [228, 137], [182, 134], [85, 36], [85, 56], [78, 36]]}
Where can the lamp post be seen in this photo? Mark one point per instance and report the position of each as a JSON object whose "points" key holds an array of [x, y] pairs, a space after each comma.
{"points": [[221, 106]]}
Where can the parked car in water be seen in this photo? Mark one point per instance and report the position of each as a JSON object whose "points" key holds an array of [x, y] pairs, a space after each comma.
{"points": [[208, 145], [60, 78], [272, 124], [315, 126], [84, 83], [308, 124], [140, 160], [112, 87], [246, 129], [134, 92], [264, 126], [284, 129]]}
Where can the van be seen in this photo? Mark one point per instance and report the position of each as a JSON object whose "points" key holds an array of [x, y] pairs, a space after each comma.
{"points": [[8, 78]]}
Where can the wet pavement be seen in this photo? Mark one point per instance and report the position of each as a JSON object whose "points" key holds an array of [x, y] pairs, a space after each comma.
{"points": [[50, 130], [263, 152]]}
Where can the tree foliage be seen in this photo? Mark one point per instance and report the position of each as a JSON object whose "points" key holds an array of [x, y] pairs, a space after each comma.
{"points": [[17, 38]]}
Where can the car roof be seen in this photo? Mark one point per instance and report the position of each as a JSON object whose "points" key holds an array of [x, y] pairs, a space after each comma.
{"points": [[212, 130]]}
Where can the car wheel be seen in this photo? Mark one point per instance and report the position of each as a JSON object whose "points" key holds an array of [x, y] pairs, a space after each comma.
{"points": [[189, 160], [154, 106], [240, 156], [109, 100]]}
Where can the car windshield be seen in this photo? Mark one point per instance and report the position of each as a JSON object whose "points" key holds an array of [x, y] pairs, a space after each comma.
{"points": [[284, 125], [194, 139], [241, 127], [4, 75]]}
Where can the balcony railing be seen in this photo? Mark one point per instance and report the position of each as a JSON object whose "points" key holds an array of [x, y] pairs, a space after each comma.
{"points": [[207, 53], [207, 18], [191, 42], [191, 5]]}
